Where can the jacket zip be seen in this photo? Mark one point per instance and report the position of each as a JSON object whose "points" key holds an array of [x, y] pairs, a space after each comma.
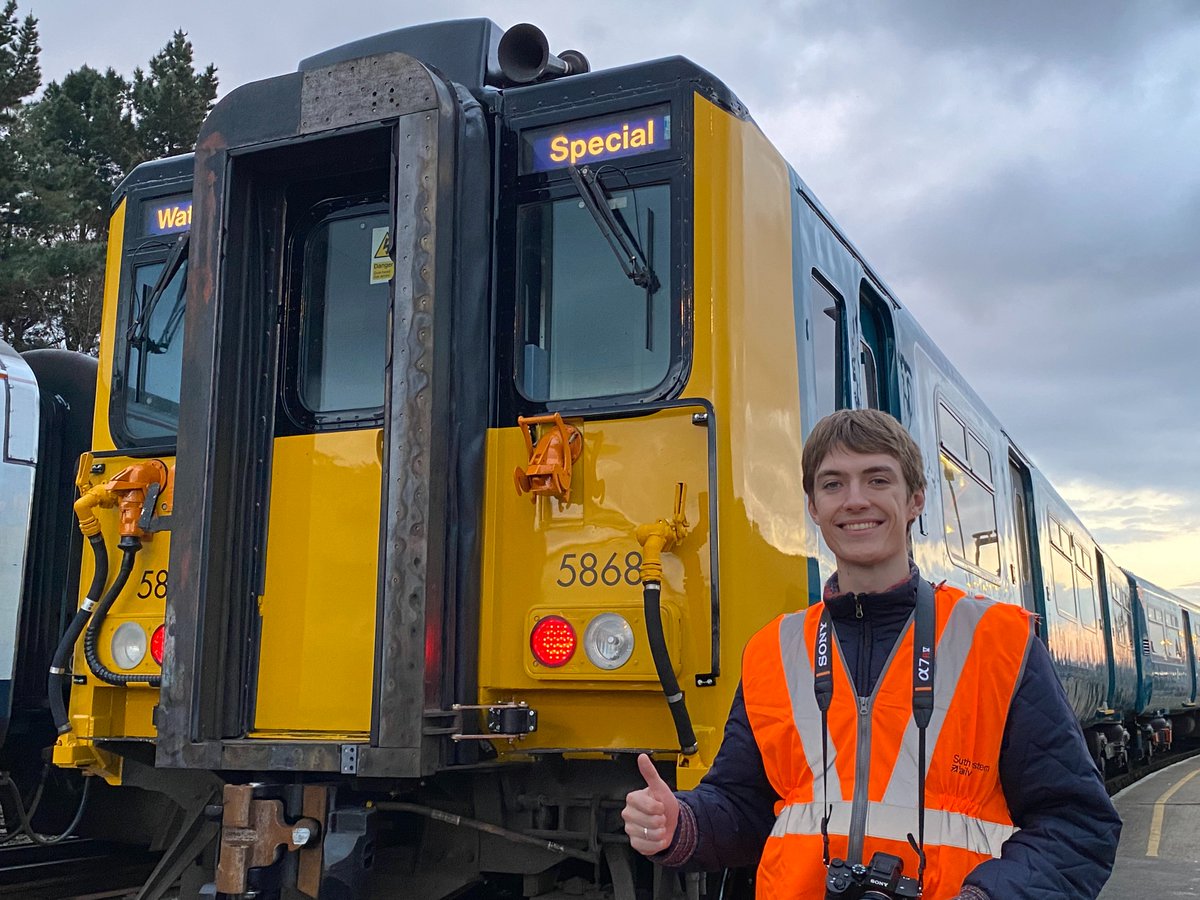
{"points": [[862, 756]]}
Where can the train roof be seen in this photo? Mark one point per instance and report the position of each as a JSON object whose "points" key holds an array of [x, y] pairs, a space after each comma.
{"points": [[155, 171]]}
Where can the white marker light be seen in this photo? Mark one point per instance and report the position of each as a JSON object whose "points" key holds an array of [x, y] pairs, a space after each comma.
{"points": [[129, 645], [608, 641]]}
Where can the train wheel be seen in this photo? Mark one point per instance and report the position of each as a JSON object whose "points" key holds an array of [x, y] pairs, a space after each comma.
{"points": [[1097, 744]]}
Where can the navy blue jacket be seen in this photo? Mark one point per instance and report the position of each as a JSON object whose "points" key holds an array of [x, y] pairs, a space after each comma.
{"points": [[1068, 826]]}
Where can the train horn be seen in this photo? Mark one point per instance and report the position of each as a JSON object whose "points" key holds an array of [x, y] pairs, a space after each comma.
{"points": [[524, 55]]}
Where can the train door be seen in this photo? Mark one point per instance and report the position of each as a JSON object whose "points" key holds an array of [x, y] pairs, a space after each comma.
{"points": [[876, 353], [1191, 628], [1023, 568], [320, 585]]}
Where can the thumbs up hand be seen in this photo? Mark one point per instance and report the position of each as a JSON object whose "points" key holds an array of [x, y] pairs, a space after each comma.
{"points": [[652, 813]]}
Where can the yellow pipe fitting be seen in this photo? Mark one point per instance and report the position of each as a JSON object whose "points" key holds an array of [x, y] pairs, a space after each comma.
{"points": [[655, 540], [659, 537], [96, 496]]}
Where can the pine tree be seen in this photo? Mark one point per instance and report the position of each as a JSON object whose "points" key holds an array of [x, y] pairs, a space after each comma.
{"points": [[20, 73], [75, 144], [20, 76], [60, 159], [170, 103]]}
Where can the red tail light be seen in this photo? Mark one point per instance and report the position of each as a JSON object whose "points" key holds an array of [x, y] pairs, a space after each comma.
{"points": [[156, 643], [553, 641]]}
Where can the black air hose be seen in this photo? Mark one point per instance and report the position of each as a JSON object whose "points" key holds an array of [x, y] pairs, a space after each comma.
{"points": [[129, 547], [651, 594], [60, 664], [26, 818]]}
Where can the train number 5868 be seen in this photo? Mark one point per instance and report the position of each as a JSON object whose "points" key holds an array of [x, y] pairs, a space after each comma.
{"points": [[586, 570]]}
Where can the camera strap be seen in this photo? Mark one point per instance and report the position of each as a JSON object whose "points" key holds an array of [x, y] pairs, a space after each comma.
{"points": [[924, 646]]}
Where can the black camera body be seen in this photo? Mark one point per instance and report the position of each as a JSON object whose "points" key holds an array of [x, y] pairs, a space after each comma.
{"points": [[883, 879]]}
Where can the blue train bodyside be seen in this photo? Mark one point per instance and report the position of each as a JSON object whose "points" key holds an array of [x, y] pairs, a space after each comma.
{"points": [[993, 525]]}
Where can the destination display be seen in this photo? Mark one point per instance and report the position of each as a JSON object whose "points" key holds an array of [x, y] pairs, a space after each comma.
{"points": [[170, 215], [592, 140]]}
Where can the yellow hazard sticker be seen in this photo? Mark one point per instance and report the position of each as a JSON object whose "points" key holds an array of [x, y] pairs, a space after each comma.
{"points": [[382, 266]]}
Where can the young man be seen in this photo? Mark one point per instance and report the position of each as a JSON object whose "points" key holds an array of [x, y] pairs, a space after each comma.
{"points": [[1007, 803]]}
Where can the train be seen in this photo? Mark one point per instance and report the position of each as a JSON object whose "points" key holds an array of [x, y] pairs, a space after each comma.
{"points": [[444, 453]]}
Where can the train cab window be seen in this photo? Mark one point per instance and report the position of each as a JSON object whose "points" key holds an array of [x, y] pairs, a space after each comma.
{"points": [[338, 341], [587, 329], [968, 502], [827, 315], [154, 362]]}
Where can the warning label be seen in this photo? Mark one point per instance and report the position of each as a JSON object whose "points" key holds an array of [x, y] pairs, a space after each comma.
{"points": [[382, 266]]}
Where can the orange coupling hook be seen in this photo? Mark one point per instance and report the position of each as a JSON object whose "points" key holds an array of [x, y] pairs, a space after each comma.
{"points": [[661, 536], [549, 469], [126, 490]]}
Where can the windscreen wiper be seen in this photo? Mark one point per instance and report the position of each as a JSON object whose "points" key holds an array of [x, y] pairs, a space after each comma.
{"points": [[634, 263], [140, 326]]}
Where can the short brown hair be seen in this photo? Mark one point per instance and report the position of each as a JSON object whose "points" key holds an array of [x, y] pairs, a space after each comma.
{"points": [[863, 431]]}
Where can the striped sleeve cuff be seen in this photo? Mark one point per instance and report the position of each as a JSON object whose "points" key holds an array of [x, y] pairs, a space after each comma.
{"points": [[970, 892], [684, 844]]}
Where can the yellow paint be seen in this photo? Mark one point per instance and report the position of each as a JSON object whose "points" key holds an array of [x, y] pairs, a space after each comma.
{"points": [[101, 438], [744, 340], [71, 753], [318, 606], [625, 475], [1160, 806], [98, 710]]}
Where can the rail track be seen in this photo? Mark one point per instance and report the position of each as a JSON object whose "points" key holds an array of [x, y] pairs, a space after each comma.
{"points": [[76, 869], [1121, 781]]}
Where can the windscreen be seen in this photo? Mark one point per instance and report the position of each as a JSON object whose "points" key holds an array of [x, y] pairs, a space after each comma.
{"points": [[587, 329]]}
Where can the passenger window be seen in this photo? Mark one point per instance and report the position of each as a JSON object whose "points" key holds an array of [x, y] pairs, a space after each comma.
{"points": [[828, 318], [1064, 584], [951, 433], [1086, 596], [870, 376], [979, 459], [968, 504]]}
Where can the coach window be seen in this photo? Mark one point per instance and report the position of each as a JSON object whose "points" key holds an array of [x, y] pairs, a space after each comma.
{"points": [[1085, 590], [338, 335], [589, 330], [827, 315], [968, 500], [1062, 571]]}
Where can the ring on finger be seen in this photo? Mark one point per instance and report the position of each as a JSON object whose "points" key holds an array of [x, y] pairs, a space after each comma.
{"points": [[646, 832]]}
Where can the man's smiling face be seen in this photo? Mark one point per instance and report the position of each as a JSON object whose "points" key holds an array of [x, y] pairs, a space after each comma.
{"points": [[863, 507]]}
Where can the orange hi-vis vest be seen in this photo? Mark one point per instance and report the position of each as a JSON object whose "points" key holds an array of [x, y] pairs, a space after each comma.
{"points": [[872, 754]]}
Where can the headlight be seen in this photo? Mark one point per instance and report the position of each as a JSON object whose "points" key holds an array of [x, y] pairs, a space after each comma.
{"points": [[608, 641], [129, 645]]}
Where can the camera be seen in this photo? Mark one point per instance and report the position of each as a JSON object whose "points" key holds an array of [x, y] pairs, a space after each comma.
{"points": [[883, 879]]}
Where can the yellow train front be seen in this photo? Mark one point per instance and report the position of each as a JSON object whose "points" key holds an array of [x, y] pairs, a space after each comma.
{"points": [[476, 343]]}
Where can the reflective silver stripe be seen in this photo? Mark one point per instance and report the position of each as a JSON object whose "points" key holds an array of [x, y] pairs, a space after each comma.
{"points": [[953, 647], [805, 818], [942, 829], [797, 668]]}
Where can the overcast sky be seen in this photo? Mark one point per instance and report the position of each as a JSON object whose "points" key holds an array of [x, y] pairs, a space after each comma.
{"points": [[1024, 174]]}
